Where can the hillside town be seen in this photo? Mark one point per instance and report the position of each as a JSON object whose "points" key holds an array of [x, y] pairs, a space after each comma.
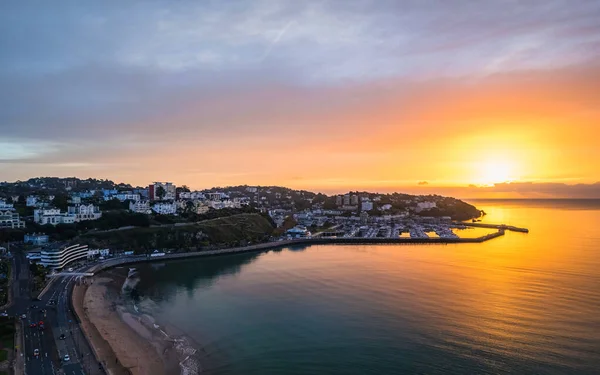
{"points": [[54, 212]]}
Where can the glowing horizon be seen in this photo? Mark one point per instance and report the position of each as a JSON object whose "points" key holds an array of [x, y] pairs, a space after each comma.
{"points": [[314, 96]]}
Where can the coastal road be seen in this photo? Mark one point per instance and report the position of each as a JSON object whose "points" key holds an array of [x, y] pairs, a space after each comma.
{"points": [[54, 310]]}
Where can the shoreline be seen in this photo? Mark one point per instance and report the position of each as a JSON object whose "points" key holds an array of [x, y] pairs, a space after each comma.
{"points": [[128, 342]]}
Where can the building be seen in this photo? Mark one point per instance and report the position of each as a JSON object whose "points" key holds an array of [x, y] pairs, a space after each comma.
{"points": [[53, 216], [59, 257], [164, 208], [364, 217], [31, 201], [85, 212], [75, 199], [191, 195], [346, 200], [168, 189], [36, 239], [9, 217], [98, 253], [252, 189], [141, 207], [215, 196], [366, 206], [354, 200], [126, 195], [298, 232], [422, 206], [386, 207]]}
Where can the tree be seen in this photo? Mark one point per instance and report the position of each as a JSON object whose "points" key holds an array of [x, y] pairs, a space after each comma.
{"points": [[61, 202], [160, 192]]}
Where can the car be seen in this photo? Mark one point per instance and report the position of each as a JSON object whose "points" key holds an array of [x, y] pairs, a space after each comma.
{"points": [[32, 325], [66, 358], [36, 352], [4, 314], [23, 316], [70, 269], [62, 336]]}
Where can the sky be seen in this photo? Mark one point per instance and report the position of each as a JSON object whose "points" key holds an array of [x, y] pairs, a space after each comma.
{"points": [[474, 98]]}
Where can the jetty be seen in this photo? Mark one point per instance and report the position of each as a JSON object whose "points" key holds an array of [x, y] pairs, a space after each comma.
{"points": [[493, 226]]}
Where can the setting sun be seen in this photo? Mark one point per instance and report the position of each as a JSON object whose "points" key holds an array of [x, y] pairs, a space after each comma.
{"points": [[491, 172]]}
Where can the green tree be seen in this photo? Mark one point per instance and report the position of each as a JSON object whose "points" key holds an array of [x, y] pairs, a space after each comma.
{"points": [[160, 192], [61, 201]]}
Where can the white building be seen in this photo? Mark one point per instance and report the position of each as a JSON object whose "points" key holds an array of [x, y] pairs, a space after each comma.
{"points": [[298, 232], [36, 239], [98, 253], [169, 191], [126, 195], [386, 207], [165, 208], [85, 212], [141, 207], [53, 216], [215, 196], [9, 217], [251, 189], [60, 257], [31, 201], [191, 195], [366, 206], [421, 206]]}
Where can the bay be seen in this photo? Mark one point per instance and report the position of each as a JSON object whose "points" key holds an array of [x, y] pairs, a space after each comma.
{"points": [[522, 303]]}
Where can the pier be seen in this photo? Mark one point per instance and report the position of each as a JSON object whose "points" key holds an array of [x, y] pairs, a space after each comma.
{"points": [[132, 259], [494, 226]]}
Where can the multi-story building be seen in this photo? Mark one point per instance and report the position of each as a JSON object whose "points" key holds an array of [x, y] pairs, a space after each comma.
{"points": [[168, 188], [191, 195], [366, 206], [9, 217], [124, 196], [165, 208], [53, 216], [215, 196], [59, 257], [85, 212], [36, 239], [141, 207], [353, 200], [339, 200], [346, 200], [421, 206]]}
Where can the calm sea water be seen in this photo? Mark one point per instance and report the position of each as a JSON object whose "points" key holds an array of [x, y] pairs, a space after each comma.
{"points": [[522, 304]]}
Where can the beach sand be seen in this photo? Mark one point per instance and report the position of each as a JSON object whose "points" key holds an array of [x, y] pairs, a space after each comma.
{"points": [[124, 342]]}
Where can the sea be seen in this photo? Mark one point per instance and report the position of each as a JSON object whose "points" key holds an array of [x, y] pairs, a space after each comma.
{"points": [[518, 304]]}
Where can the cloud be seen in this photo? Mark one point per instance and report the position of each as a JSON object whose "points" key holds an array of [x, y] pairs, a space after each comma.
{"points": [[360, 81], [422, 183]]}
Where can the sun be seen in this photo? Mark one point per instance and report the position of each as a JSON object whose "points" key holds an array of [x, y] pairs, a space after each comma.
{"points": [[495, 171]]}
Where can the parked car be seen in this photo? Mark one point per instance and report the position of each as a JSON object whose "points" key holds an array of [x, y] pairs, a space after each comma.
{"points": [[32, 325], [23, 316], [36, 352], [67, 358], [62, 336]]}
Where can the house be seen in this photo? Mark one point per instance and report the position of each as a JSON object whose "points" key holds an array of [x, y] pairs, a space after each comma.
{"points": [[165, 191], [165, 208], [85, 212], [421, 206], [53, 216], [366, 206], [141, 207]]}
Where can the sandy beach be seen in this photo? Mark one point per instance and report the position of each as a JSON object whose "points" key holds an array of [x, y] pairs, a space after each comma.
{"points": [[126, 342]]}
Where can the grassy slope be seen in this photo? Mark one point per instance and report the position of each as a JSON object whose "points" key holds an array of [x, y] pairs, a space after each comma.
{"points": [[226, 230]]}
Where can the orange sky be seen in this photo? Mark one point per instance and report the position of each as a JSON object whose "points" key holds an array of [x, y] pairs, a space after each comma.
{"points": [[309, 96]]}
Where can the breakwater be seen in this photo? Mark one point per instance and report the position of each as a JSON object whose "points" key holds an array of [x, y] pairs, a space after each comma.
{"points": [[132, 259], [495, 226]]}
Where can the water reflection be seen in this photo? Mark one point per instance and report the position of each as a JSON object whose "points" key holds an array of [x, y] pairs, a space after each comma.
{"points": [[522, 303]]}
